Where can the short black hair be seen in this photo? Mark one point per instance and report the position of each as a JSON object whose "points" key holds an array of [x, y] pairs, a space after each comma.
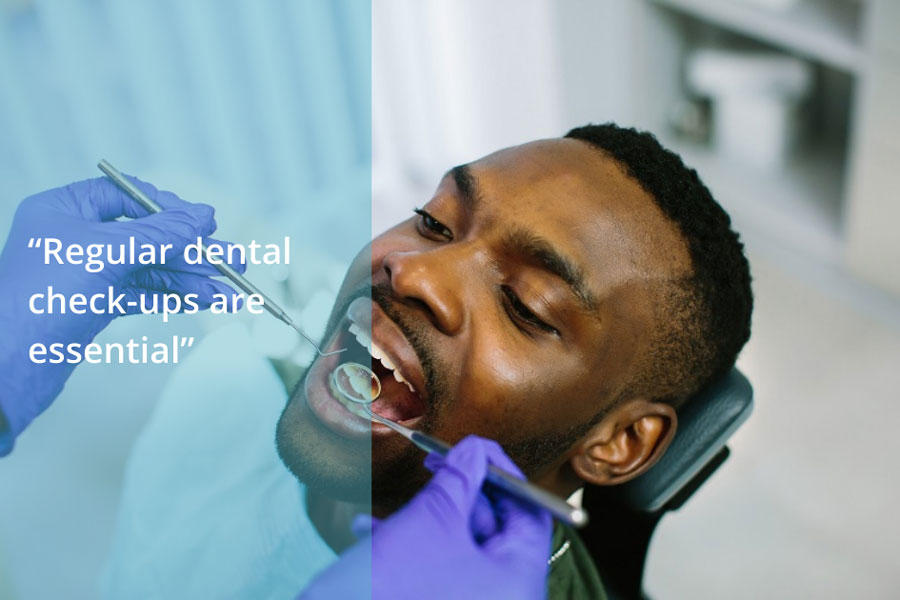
{"points": [[703, 320]]}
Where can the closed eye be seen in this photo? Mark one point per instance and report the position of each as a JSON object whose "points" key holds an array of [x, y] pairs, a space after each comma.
{"points": [[520, 314], [429, 226]]}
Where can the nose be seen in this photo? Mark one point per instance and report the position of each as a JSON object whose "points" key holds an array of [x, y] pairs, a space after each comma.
{"points": [[428, 281]]}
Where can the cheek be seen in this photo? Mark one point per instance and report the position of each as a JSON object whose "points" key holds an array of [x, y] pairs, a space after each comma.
{"points": [[513, 390]]}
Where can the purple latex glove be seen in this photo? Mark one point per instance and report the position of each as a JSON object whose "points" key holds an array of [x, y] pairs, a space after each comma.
{"points": [[85, 213], [453, 540]]}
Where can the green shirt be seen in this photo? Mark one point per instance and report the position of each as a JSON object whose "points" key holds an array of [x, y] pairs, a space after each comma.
{"points": [[573, 575]]}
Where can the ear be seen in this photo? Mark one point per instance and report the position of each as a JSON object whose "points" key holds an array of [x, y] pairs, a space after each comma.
{"points": [[626, 443]]}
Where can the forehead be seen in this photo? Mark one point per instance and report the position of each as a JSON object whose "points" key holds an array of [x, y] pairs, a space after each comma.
{"points": [[585, 203]]}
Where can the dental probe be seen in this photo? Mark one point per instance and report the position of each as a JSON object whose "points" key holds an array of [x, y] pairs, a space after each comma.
{"points": [[559, 508], [346, 378], [223, 268]]}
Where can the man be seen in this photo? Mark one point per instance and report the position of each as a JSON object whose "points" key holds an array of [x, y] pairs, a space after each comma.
{"points": [[562, 297]]}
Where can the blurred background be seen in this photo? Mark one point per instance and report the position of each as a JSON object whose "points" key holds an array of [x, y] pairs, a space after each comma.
{"points": [[788, 110], [783, 106]]}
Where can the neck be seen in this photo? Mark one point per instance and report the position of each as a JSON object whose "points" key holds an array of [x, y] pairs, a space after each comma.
{"points": [[333, 518]]}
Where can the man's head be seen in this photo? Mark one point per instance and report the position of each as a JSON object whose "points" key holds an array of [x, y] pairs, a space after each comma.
{"points": [[562, 297]]}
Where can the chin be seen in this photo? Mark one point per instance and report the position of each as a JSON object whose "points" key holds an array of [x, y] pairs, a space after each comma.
{"points": [[387, 475], [322, 460], [395, 482]]}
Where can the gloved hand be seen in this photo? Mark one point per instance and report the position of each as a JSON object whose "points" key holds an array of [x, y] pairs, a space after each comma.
{"points": [[453, 540], [85, 213]]}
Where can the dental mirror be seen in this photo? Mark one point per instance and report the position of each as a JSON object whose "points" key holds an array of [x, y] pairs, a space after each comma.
{"points": [[356, 383]]}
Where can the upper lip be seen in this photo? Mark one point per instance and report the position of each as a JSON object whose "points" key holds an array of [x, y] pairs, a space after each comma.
{"points": [[391, 340]]}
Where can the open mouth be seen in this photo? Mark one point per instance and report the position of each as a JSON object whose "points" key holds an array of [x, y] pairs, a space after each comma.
{"points": [[404, 397], [399, 400]]}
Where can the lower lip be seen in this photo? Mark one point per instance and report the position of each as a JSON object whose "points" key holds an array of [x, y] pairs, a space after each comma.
{"points": [[327, 408]]}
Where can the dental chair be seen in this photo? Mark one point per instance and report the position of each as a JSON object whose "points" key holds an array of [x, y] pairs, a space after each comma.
{"points": [[630, 512]]}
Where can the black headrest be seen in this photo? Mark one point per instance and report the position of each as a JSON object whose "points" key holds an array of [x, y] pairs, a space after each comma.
{"points": [[705, 423]]}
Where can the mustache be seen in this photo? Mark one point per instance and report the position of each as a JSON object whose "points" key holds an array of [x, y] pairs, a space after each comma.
{"points": [[417, 332]]}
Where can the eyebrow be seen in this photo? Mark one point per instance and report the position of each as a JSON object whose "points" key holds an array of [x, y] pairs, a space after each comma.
{"points": [[538, 250], [528, 244], [467, 185]]}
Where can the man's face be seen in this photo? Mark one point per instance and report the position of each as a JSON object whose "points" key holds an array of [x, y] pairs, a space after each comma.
{"points": [[515, 304]]}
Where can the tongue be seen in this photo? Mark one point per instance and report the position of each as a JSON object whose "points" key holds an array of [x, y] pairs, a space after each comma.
{"points": [[396, 402]]}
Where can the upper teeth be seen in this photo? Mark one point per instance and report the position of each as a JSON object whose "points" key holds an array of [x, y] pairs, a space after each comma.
{"points": [[366, 342]]}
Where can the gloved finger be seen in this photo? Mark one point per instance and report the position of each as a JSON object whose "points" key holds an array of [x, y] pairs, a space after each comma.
{"points": [[524, 529], [493, 450], [483, 522], [434, 462], [456, 484], [99, 199], [178, 227], [167, 200], [364, 525], [495, 455], [178, 262], [515, 522]]}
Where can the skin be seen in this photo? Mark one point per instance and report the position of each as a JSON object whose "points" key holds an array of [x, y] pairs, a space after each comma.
{"points": [[493, 371]]}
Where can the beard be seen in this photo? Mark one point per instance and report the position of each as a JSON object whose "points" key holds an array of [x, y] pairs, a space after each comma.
{"points": [[352, 470], [387, 476]]}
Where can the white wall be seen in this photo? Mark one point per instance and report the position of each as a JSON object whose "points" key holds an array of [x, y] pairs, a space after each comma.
{"points": [[453, 81]]}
